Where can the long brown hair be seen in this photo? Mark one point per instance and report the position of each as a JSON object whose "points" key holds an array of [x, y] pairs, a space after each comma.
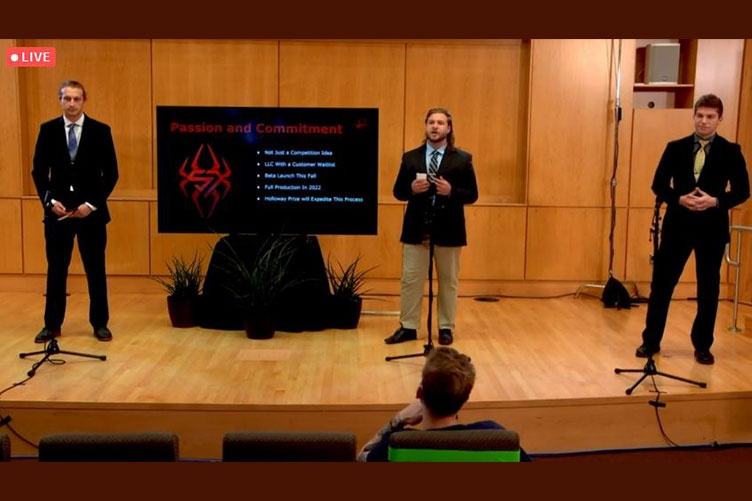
{"points": [[450, 135]]}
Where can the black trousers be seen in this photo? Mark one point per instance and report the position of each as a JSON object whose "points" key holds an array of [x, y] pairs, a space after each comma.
{"points": [[92, 241], [672, 255]]}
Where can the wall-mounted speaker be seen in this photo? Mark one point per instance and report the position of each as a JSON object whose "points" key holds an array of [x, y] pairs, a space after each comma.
{"points": [[662, 63]]}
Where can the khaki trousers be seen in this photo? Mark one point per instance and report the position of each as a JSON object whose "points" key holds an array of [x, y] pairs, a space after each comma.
{"points": [[414, 274]]}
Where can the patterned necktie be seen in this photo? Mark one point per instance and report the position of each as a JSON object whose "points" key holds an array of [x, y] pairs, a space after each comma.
{"points": [[700, 158], [433, 167], [72, 142]]}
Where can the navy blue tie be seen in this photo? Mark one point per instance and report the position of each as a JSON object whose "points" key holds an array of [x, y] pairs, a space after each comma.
{"points": [[72, 142]]}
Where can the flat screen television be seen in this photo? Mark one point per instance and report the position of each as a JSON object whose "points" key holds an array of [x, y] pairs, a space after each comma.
{"points": [[311, 171]]}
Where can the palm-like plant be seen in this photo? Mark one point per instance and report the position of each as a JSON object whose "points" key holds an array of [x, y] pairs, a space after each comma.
{"points": [[258, 283], [347, 281], [184, 277]]}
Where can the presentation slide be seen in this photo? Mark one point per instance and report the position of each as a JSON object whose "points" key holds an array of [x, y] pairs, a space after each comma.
{"points": [[267, 170]]}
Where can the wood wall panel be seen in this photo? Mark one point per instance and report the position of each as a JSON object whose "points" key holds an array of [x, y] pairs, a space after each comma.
{"points": [[11, 258], [743, 216], [744, 129], [571, 123], [351, 74], [652, 130], [382, 251], [215, 73], [573, 244], [166, 245], [496, 243], [10, 130], [117, 78], [485, 87], [33, 236], [127, 238]]}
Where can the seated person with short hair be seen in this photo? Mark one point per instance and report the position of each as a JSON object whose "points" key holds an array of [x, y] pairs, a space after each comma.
{"points": [[446, 382]]}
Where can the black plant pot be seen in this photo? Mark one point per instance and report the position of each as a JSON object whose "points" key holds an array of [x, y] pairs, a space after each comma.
{"points": [[259, 325], [183, 311], [345, 312]]}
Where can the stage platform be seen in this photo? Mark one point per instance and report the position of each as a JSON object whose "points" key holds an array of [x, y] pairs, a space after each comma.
{"points": [[546, 368]]}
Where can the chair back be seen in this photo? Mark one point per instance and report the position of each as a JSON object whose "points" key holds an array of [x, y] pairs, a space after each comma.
{"points": [[494, 445], [289, 446], [4, 447], [138, 446]]}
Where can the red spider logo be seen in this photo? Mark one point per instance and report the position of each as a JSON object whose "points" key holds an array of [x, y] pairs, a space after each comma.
{"points": [[205, 187]]}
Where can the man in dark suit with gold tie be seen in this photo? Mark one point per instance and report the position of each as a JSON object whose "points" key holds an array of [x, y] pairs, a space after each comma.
{"points": [[699, 177], [75, 170]]}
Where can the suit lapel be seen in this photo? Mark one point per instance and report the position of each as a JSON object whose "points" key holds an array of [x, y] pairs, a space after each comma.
{"points": [[446, 160], [85, 133]]}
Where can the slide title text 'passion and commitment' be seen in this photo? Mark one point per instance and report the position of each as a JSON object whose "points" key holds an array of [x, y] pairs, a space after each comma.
{"points": [[259, 128]]}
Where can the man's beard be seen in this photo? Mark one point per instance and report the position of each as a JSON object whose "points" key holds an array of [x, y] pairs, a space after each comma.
{"points": [[439, 138]]}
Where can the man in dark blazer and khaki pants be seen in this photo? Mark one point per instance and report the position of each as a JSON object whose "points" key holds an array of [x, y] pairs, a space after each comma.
{"points": [[75, 170], [699, 177], [436, 202]]}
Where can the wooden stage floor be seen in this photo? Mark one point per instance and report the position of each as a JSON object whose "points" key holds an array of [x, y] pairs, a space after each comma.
{"points": [[545, 368]]}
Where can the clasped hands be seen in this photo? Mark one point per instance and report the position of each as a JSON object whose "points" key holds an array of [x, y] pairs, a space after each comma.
{"points": [[698, 200], [81, 211], [422, 185]]}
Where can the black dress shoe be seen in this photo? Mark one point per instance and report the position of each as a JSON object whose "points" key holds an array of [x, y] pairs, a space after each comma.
{"points": [[647, 351], [704, 357], [445, 337], [46, 335], [401, 335], [103, 334]]}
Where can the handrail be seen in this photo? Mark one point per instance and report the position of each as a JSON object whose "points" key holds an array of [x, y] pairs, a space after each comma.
{"points": [[737, 265]]}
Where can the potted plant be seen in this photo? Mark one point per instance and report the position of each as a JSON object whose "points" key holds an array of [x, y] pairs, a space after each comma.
{"points": [[347, 292], [183, 286], [256, 282]]}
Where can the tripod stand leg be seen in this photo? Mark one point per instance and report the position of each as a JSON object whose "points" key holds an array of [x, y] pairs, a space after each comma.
{"points": [[98, 357], [637, 383], [690, 381], [426, 350], [24, 355], [37, 365]]}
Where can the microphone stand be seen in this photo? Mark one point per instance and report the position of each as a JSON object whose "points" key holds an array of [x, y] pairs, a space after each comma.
{"points": [[430, 213], [52, 348], [651, 370]]}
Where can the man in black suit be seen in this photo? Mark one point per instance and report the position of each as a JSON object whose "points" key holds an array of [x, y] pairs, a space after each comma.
{"points": [[437, 180], [75, 170], [699, 177]]}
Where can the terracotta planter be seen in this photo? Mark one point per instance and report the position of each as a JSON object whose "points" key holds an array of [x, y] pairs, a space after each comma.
{"points": [[183, 311]]}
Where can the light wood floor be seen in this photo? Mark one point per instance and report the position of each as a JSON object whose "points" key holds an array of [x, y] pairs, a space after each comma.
{"points": [[530, 354]]}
